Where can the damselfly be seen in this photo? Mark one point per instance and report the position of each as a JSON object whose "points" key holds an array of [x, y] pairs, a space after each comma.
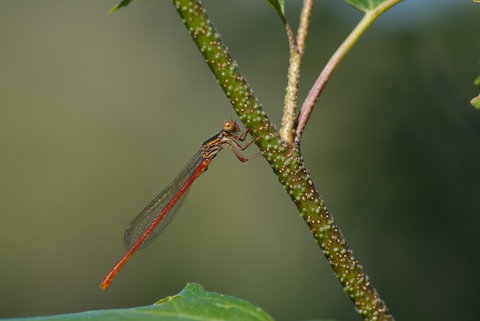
{"points": [[158, 214]]}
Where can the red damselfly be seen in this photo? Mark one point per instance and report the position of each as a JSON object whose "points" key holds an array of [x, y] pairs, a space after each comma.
{"points": [[158, 214]]}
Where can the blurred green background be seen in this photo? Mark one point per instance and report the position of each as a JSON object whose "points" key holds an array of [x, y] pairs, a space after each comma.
{"points": [[99, 113]]}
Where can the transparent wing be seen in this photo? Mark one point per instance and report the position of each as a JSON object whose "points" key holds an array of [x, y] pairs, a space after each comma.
{"points": [[138, 226]]}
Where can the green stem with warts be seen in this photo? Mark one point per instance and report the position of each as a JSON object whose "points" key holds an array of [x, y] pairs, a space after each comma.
{"points": [[285, 161], [287, 132], [226, 71]]}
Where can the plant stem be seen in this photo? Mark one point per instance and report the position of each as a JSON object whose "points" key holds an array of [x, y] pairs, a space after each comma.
{"points": [[290, 106], [287, 132], [286, 162], [226, 70], [296, 55], [332, 64], [304, 23]]}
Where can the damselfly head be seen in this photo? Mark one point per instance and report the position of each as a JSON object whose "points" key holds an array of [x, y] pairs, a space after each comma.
{"points": [[230, 126]]}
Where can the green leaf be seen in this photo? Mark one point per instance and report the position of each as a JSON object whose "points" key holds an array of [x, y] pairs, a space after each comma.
{"points": [[123, 3], [279, 7], [477, 81], [193, 303], [369, 5], [476, 102]]}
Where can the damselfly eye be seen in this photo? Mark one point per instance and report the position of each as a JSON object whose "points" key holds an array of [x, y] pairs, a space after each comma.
{"points": [[230, 126]]}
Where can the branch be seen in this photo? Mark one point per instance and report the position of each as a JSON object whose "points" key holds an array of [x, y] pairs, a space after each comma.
{"points": [[285, 161], [304, 23], [296, 55], [332, 64]]}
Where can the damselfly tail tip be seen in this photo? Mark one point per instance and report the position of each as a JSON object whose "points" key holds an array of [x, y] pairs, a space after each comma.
{"points": [[104, 286], [108, 280]]}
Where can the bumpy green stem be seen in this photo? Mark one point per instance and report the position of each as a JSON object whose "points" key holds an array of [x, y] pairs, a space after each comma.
{"points": [[304, 22], [226, 71], [287, 132], [285, 161]]}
